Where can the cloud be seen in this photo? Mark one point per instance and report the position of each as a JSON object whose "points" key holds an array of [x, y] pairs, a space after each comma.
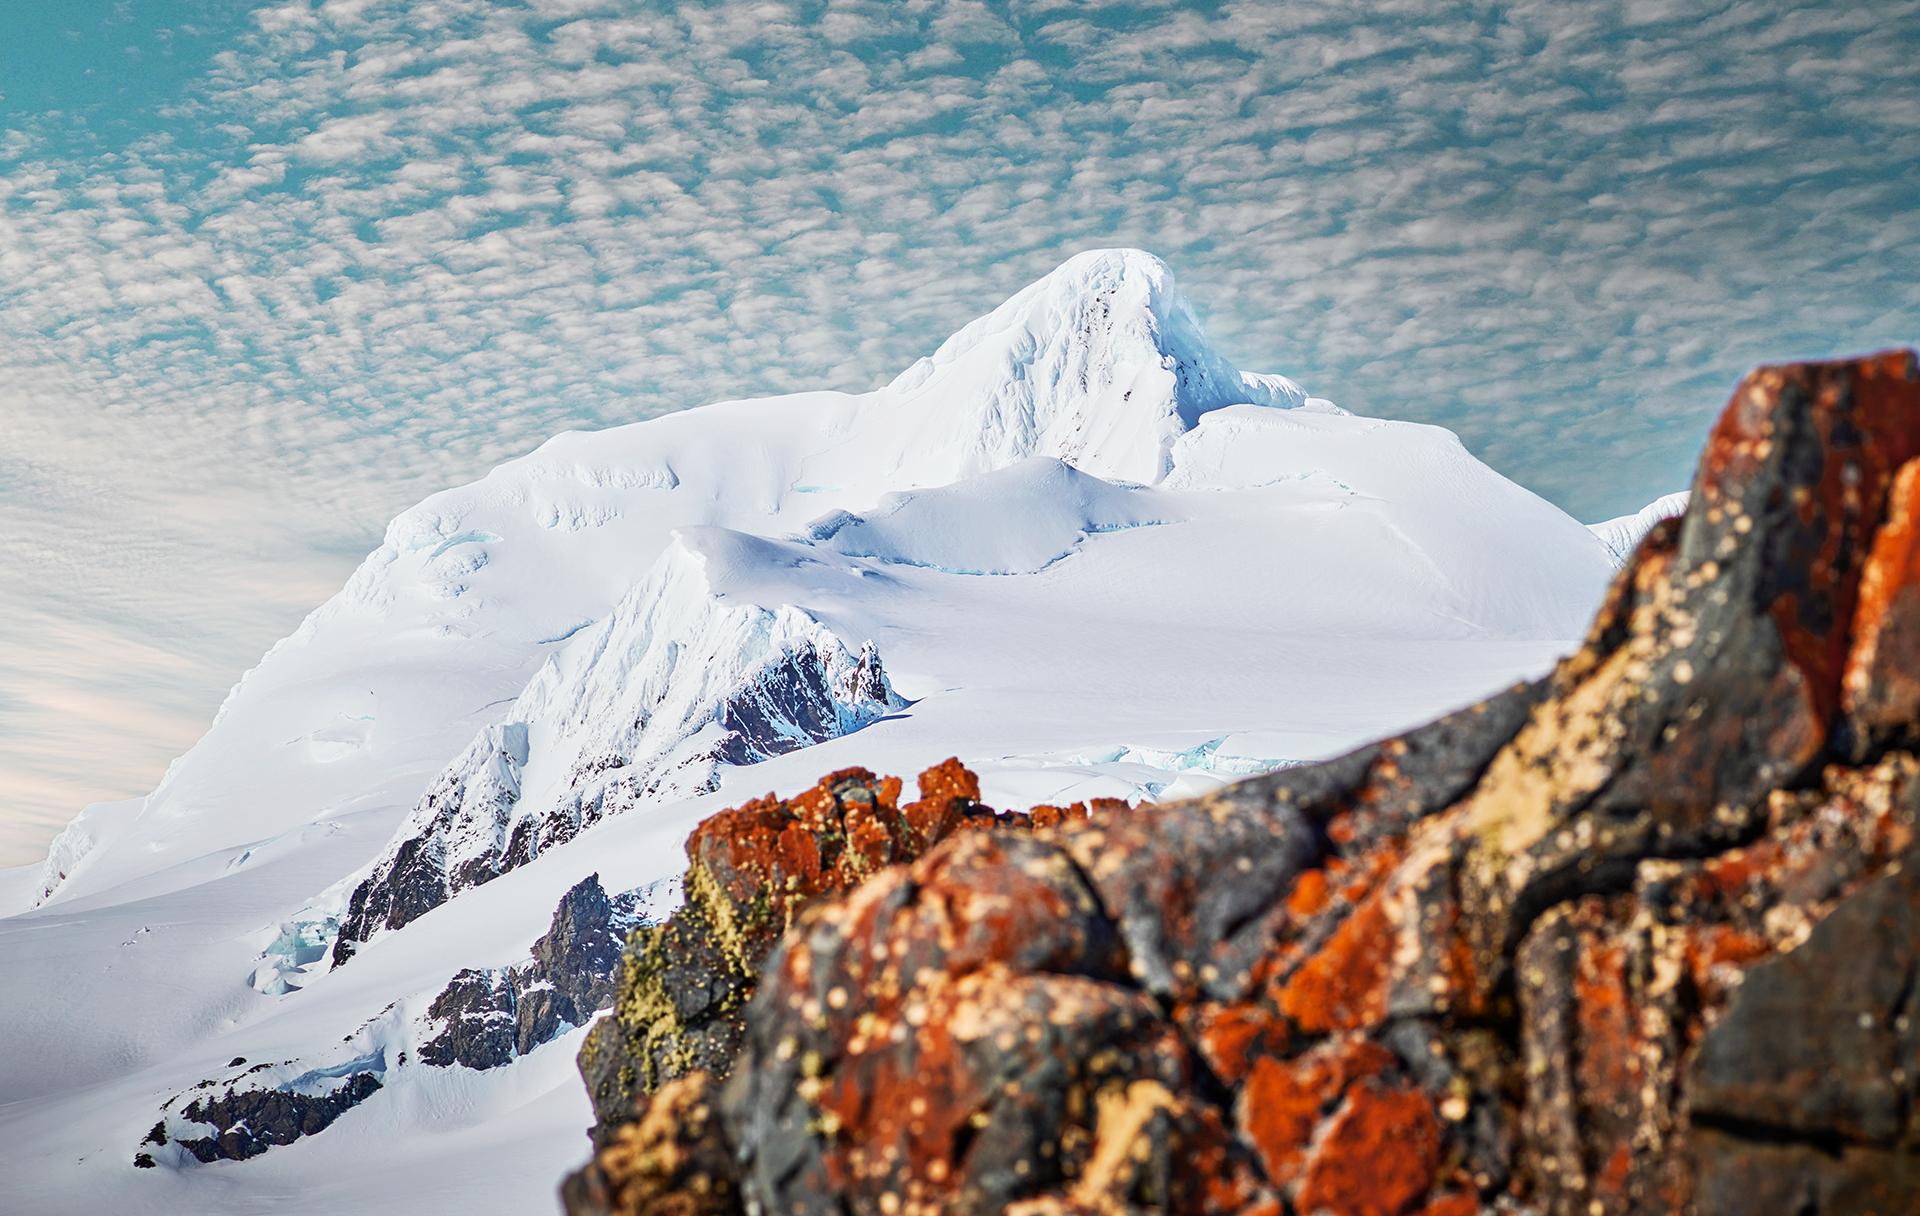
{"points": [[380, 246]]}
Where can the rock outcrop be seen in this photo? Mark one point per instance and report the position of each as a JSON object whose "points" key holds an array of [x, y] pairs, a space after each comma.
{"points": [[1637, 938], [750, 870], [483, 1018], [246, 1122], [488, 1016]]}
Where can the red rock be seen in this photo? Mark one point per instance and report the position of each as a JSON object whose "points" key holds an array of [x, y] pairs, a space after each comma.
{"points": [[1377, 1157], [1285, 1101], [1344, 985], [1231, 1037]]}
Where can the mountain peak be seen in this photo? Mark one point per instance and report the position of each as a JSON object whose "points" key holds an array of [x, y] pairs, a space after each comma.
{"points": [[1100, 290], [1100, 363], [1096, 272]]}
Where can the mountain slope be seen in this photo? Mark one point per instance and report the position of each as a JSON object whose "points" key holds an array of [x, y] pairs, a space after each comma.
{"points": [[679, 678], [1074, 546]]}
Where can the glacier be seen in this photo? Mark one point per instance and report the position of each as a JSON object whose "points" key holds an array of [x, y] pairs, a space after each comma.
{"points": [[1075, 546]]}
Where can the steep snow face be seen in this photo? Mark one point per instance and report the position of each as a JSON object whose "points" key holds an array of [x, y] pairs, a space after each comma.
{"points": [[1623, 533], [680, 678], [1491, 557], [1100, 364]]}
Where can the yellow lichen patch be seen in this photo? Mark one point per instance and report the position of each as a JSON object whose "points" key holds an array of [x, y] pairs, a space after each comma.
{"points": [[671, 1162], [728, 931], [1566, 751], [1122, 1116]]}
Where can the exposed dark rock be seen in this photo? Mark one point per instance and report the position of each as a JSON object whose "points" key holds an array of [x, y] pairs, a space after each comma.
{"points": [[483, 1018], [413, 885], [478, 1009], [541, 1013], [579, 954], [675, 1161], [492, 1015], [478, 790], [1640, 938], [248, 1122], [1818, 1048], [796, 702]]}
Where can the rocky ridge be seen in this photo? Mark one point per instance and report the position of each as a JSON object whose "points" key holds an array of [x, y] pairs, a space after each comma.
{"points": [[765, 682], [483, 1018], [487, 1016], [1639, 937]]}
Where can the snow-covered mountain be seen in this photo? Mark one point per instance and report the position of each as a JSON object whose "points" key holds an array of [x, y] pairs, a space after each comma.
{"points": [[1074, 546]]}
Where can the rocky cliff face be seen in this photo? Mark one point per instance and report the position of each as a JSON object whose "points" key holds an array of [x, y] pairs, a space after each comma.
{"points": [[487, 1016], [1639, 938]]}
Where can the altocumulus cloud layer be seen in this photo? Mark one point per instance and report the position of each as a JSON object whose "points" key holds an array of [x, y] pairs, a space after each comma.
{"points": [[374, 247]]}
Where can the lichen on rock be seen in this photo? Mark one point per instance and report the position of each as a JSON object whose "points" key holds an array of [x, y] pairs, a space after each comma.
{"points": [[683, 986]]}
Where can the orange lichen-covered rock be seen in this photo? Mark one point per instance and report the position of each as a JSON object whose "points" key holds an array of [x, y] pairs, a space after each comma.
{"points": [[1638, 938], [1344, 985], [750, 869], [1377, 1156], [1230, 1038], [1453, 1203], [1285, 1101]]}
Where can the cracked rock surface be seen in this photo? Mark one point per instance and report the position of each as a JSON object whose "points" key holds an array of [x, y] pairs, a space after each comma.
{"points": [[1638, 938]]}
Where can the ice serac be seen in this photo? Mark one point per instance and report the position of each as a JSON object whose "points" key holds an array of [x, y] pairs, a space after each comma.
{"points": [[1640, 937], [1623, 533], [685, 675], [82, 835]]}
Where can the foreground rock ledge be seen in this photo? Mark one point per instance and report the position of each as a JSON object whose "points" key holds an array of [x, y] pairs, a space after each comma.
{"points": [[1641, 937]]}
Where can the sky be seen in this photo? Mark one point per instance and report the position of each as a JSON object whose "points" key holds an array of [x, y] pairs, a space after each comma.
{"points": [[271, 273]]}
